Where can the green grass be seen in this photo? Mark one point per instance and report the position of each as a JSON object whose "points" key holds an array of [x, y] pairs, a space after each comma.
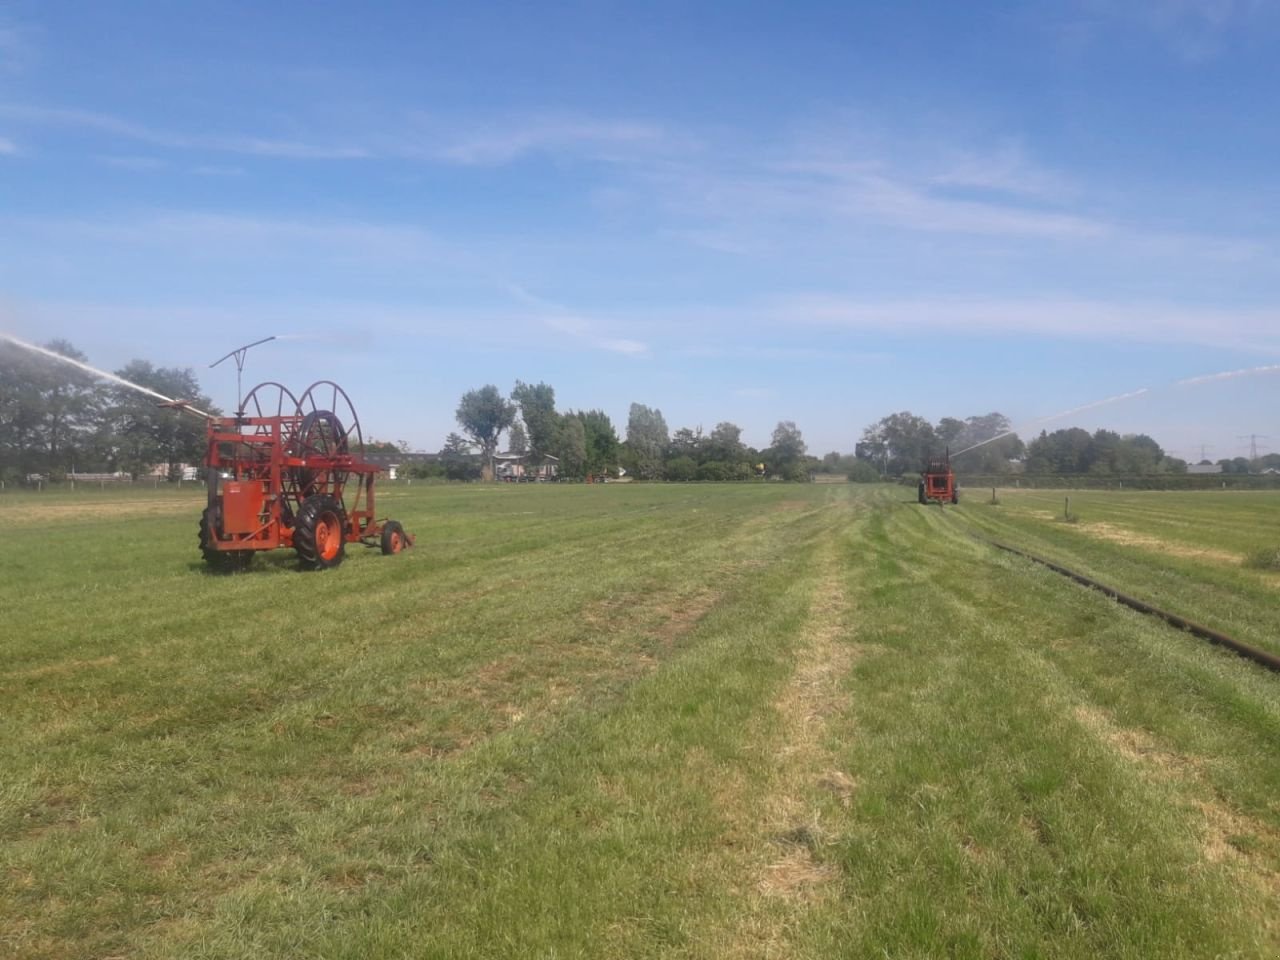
{"points": [[626, 720]]}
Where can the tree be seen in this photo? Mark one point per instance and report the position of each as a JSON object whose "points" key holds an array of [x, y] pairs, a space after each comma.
{"points": [[984, 444], [517, 442], [1060, 452], [647, 440], [725, 443], [572, 447], [457, 459], [1235, 465], [787, 445], [863, 471], [681, 468], [138, 435], [903, 441], [48, 410], [601, 441], [949, 430], [538, 411], [484, 414], [687, 442]]}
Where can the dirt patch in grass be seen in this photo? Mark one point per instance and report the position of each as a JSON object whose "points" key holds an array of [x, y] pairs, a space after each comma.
{"points": [[58, 669], [1137, 746], [1130, 538], [1227, 836], [798, 876], [29, 513]]}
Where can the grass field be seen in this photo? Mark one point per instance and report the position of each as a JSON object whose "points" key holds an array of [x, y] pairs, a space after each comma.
{"points": [[642, 721]]}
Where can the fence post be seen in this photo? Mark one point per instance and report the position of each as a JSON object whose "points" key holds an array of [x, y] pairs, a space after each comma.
{"points": [[1066, 509]]}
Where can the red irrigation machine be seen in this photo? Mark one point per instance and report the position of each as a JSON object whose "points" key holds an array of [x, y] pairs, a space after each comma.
{"points": [[289, 472], [938, 481]]}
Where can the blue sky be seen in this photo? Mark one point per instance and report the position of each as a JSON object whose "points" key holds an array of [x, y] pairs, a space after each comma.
{"points": [[736, 211]]}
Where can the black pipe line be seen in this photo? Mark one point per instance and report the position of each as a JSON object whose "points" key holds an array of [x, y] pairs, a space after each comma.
{"points": [[1269, 660]]}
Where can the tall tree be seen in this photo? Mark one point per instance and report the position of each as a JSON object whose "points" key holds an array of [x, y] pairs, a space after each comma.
{"points": [[902, 440], [572, 446], [786, 451], [139, 435], [601, 441], [517, 442], [538, 411], [687, 442], [647, 439], [483, 414], [48, 410], [724, 443]]}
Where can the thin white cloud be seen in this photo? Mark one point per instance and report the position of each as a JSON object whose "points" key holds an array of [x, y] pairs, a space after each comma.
{"points": [[8, 148], [214, 170], [184, 234], [500, 141], [244, 145], [559, 318], [507, 140], [1255, 329], [138, 164]]}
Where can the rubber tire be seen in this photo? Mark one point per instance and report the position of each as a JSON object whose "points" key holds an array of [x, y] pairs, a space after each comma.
{"points": [[315, 511], [920, 493], [955, 496], [224, 560], [393, 538]]}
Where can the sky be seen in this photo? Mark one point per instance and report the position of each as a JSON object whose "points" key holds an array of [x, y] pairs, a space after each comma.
{"points": [[753, 212]]}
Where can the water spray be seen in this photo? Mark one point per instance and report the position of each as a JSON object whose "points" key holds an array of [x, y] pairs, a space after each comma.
{"points": [[1056, 416], [1228, 375], [1188, 382], [168, 401]]}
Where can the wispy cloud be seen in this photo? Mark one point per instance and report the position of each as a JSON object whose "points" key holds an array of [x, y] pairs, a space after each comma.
{"points": [[15, 47], [138, 164], [499, 141], [1250, 329], [111, 125], [512, 138], [8, 148], [184, 234], [214, 170], [588, 331], [1194, 31]]}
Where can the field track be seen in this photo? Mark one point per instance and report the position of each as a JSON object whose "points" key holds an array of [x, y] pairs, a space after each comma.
{"points": [[643, 721]]}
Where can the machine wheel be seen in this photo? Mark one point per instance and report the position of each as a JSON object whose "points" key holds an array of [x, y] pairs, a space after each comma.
{"points": [[920, 493], [393, 538], [227, 560], [955, 496], [320, 532]]}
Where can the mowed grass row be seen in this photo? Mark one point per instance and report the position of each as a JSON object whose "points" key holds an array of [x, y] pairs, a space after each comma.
{"points": [[617, 721]]}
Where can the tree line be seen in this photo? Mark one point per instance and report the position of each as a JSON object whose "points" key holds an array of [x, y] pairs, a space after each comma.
{"points": [[585, 442], [56, 419]]}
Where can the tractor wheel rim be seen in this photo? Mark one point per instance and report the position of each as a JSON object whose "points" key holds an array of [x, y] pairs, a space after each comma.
{"points": [[327, 540], [395, 542]]}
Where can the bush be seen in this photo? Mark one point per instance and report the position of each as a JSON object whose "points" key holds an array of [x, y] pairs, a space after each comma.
{"points": [[681, 468], [863, 472]]}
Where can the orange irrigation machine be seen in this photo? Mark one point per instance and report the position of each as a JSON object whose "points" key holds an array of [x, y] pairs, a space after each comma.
{"points": [[938, 481], [288, 472]]}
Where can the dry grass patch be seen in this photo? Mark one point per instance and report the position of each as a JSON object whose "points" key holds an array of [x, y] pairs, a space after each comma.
{"points": [[1114, 533], [29, 513]]}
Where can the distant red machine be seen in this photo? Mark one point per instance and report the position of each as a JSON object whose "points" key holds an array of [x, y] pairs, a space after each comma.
{"points": [[938, 481], [287, 472]]}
